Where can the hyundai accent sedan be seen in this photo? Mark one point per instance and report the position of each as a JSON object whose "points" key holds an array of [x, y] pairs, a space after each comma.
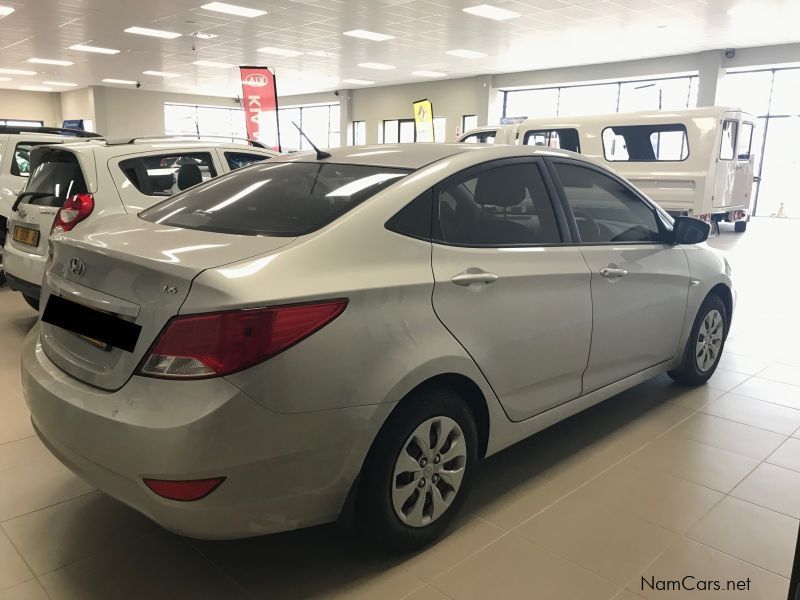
{"points": [[353, 330]]}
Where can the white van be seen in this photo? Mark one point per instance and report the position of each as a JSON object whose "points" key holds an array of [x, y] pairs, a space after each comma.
{"points": [[696, 162], [491, 134]]}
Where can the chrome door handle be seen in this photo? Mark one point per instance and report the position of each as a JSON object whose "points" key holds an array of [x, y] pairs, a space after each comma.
{"points": [[465, 279], [610, 273]]}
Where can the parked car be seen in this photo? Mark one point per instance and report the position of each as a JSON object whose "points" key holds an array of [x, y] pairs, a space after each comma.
{"points": [[356, 329], [73, 184], [16, 143]]}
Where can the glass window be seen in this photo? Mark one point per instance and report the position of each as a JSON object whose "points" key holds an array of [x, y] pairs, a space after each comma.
{"points": [[277, 199], [748, 91], [415, 219], [468, 122], [786, 93], [439, 129], [728, 144], [359, 133], [501, 206], [237, 160], [606, 210], [532, 103], [334, 137], [21, 162], [588, 100], [480, 137], [657, 94], [745, 141], [391, 132], [167, 174], [566, 139], [290, 137], [408, 133], [645, 143], [55, 176]]}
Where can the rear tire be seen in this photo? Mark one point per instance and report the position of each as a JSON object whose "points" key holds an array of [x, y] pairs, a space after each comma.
{"points": [[410, 493], [740, 226], [2, 245], [705, 344], [32, 302]]}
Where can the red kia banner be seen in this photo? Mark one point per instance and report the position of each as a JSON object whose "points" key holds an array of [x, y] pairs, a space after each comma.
{"points": [[260, 103]]}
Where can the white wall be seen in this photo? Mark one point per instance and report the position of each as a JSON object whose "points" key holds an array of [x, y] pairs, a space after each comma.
{"points": [[34, 106], [78, 104]]}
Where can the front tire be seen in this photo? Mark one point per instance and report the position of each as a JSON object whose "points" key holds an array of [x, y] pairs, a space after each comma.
{"points": [[2, 245], [740, 226], [418, 472], [705, 344]]}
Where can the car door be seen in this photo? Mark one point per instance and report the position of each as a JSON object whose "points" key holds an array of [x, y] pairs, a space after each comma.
{"points": [[506, 286], [146, 178], [725, 171], [743, 183], [640, 282]]}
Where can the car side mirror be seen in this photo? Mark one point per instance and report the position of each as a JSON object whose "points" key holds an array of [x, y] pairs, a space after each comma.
{"points": [[688, 230]]}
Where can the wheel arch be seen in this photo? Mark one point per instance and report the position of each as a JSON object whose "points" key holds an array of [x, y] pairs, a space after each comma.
{"points": [[724, 293]]}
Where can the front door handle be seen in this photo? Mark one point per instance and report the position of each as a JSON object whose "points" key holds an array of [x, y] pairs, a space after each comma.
{"points": [[465, 279], [612, 273]]}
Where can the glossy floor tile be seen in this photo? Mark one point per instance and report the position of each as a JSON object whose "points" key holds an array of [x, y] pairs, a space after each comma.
{"points": [[652, 485]]}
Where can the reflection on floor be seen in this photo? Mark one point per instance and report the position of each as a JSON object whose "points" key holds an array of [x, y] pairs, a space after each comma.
{"points": [[659, 482]]}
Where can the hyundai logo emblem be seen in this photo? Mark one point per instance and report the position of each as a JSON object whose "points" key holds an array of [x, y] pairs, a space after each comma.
{"points": [[22, 213], [76, 267]]}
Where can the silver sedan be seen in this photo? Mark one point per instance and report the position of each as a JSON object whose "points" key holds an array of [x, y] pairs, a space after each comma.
{"points": [[352, 331]]}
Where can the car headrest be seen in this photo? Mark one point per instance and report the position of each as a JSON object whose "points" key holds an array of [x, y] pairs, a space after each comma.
{"points": [[189, 175], [500, 187]]}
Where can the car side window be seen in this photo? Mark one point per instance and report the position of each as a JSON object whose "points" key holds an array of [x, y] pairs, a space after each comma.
{"points": [[482, 137], [505, 205], [21, 161], [168, 174], [605, 209], [727, 147], [237, 160]]}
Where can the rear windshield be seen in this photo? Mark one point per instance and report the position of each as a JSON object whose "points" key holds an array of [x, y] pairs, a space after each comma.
{"points": [[276, 199], [55, 175]]}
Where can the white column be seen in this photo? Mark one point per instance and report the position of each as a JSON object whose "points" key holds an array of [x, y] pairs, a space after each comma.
{"points": [[710, 71]]}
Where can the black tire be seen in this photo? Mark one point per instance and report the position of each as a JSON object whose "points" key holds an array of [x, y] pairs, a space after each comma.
{"points": [[689, 373], [32, 302], [740, 226], [2, 245], [375, 514]]}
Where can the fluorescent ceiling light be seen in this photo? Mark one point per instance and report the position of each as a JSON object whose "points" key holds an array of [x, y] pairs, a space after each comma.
{"points": [[167, 35], [321, 54], [461, 53], [5, 78], [16, 72], [213, 64], [368, 35], [60, 83], [5, 11], [358, 81], [376, 66], [160, 74], [50, 61], [491, 12], [232, 9], [279, 51], [201, 35], [35, 88], [120, 81], [425, 73], [95, 49]]}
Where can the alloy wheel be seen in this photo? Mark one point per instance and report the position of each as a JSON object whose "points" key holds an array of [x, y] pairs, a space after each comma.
{"points": [[709, 340]]}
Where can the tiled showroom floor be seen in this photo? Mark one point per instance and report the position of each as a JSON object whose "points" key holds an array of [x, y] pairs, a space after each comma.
{"points": [[660, 481]]}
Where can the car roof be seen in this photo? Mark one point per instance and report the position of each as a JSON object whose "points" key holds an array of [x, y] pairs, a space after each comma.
{"points": [[415, 156], [102, 148]]}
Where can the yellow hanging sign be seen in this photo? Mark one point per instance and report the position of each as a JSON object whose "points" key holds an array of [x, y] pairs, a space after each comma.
{"points": [[423, 120]]}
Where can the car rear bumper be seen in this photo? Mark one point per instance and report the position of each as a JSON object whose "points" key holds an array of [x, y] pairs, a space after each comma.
{"points": [[282, 471], [25, 287]]}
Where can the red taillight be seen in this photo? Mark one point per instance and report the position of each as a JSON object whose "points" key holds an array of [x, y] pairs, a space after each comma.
{"points": [[216, 344], [185, 491], [75, 209]]}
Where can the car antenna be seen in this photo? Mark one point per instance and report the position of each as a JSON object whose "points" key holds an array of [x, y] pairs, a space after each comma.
{"points": [[320, 153]]}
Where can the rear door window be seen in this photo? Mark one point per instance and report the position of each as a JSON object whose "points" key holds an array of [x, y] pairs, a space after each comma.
{"points": [[566, 139], [237, 160], [481, 137], [276, 199], [55, 175], [167, 174], [745, 141], [646, 143], [727, 147], [21, 161]]}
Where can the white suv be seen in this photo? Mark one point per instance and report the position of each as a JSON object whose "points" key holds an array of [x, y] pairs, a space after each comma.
{"points": [[70, 183], [16, 143]]}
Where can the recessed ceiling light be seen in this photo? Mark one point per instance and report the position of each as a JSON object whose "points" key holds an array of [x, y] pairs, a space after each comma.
{"points": [[50, 61], [232, 9], [120, 81], [425, 73], [95, 49], [60, 83], [461, 53], [368, 35], [376, 66], [16, 72], [201, 35], [321, 54], [358, 81], [5, 78], [167, 35], [5, 11], [160, 74], [279, 51], [491, 12], [213, 64], [35, 88]]}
